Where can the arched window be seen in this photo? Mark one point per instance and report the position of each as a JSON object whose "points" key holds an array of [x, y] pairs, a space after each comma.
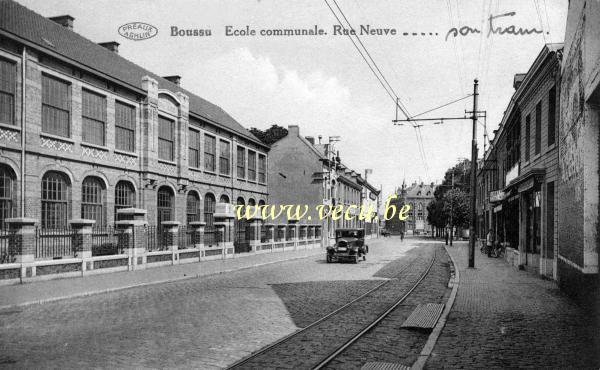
{"points": [[124, 196], [92, 200], [251, 202], [164, 204], [261, 202], [7, 183], [240, 201], [56, 191], [224, 199], [209, 210], [193, 207]]}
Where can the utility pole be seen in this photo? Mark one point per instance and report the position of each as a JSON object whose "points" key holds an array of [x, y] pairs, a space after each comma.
{"points": [[451, 211], [473, 183], [473, 179]]}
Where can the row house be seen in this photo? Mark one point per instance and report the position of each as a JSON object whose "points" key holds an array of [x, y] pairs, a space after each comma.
{"points": [[517, 177], [85, 132], [302, 172]]}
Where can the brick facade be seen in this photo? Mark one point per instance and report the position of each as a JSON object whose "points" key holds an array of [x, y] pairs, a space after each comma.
{"points": [[151, 97]]}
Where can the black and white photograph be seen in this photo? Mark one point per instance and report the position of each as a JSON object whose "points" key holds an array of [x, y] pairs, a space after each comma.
{"points": [[302, 184]]}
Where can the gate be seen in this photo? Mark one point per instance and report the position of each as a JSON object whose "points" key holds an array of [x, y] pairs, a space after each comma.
{"points": [[240, 241]]}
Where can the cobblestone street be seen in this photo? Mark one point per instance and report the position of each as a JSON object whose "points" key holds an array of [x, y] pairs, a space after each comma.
{"points": [[207, 322], [505, 318]]}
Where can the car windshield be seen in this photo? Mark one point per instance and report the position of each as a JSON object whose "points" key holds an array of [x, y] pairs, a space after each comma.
{"points": [[348, 234]]}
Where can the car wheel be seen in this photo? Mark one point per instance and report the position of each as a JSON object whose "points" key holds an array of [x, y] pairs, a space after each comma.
{"points": [[364, 257], [328, 258]]}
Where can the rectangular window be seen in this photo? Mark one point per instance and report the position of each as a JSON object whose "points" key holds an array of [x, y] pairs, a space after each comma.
{"points": [[550, 220], [93, 114], [224, 157], [124, 127], [8, 80], [527, 137], [251, 165], [210, 150], [538, 128], [241, 162], [56, 107], [194, 148], [262, 168], [166, 139], [552, 116]]}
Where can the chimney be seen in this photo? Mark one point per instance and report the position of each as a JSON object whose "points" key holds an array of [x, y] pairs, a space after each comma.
{"points": [[294, 130], [175, 79], [110, 45], [320, 137], [64, 20], [310, 139], [518, 80]]}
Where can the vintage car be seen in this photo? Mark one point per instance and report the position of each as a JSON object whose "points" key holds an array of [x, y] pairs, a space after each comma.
{"points": [[349, 245]]}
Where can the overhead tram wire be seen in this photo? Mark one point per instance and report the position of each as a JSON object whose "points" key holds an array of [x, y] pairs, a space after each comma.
{"points": [[389, 88], [370, 57], [365, 59]]}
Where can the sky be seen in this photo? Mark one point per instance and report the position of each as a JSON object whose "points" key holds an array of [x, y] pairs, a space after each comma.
{"points": [[322, 84]]}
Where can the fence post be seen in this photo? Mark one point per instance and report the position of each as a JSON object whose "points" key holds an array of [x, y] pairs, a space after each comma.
{"points": [[81, 241], [283, 239], [133, 235], [21, 244], [270, 235], [198, 233], [319, 234], [171, 238], [253, 232], [310, 232], [224, 217], [293, 228]]}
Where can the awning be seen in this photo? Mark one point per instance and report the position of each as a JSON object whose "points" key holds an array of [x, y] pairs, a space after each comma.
{"points": [[498, 208], [527, 179]]}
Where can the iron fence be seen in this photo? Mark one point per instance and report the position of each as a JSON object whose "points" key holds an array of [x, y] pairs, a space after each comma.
{"points": [[105, 241], [155, 238], [54, 243], [280, 234], [264, 237], [187, 238], [6, 253]]}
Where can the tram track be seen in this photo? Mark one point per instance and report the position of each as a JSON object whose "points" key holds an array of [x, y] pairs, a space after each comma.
{"points": [[318, 344]]}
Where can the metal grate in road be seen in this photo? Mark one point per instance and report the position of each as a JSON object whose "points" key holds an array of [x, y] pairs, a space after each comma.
{"points": [[384, 366], [425, 316]]}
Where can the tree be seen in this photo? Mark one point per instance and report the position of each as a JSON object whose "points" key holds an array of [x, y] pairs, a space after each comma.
{"points": [[435, 214], [270, 135], [456, 204], [462, 173]]}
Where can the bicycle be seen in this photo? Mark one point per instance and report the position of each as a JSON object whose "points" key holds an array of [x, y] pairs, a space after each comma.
{"points": [[498, 250]]}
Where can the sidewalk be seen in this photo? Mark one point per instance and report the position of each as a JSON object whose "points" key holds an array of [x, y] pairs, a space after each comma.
{"points": [[505, 318], [50, 290]]}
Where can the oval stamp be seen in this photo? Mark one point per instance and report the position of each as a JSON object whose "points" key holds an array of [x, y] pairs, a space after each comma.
{"points": [[138, 31]]}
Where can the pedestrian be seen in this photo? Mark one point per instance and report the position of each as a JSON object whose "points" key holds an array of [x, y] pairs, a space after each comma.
{"points": [[447, 234], [489, 242], [401, 235]]}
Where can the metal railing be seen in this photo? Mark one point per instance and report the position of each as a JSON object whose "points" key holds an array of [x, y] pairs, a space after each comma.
{"points": [[210, 237], [264, 237], [186, 237], [105, 241], [54, 243], [155, 238], [6, 253]]}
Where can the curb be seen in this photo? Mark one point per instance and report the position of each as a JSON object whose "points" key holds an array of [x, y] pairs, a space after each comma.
{"points": [[170, 280], [437, 330]]}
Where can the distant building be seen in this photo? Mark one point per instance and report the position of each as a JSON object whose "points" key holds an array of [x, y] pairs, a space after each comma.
{"points": [[417, 196], [302, 172]]}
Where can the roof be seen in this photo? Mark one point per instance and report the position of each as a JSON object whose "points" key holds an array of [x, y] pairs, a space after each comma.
{"points": [[413, 191], [547, 50], [24, 25]]}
